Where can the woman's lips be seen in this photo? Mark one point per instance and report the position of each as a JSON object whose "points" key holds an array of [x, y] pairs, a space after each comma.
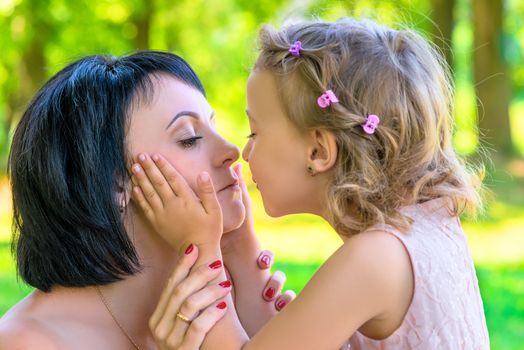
{"points": [[232, 186]]}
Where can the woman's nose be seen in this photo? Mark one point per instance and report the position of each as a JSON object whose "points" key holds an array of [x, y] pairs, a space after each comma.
{"points": [[230, 153]]}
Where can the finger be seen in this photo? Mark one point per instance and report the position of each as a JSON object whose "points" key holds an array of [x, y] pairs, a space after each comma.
{"points": [[175, 180], [245, 194], [205, 297], [150, 194], [194, 282], [140, 199], [284, 299], [274, 286], [202, 324], [265, 260], [196, 303], [157, 179], [181, 271], [206, 193]]}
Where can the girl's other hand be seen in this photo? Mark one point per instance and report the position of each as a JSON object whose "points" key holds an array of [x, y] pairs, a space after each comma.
{"points": [[189, 306], [165, 198], [273, 288]]}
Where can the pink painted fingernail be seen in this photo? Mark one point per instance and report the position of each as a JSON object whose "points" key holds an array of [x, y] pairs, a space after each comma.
{"points": [[155, 157], [265, 259], [215, 264], [280, 305], [221, 305], [270, 293], [136, 168], [225, 284], [141, 157]]}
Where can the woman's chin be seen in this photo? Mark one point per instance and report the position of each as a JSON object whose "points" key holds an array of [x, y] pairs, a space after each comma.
{"points": [[233, 215]]}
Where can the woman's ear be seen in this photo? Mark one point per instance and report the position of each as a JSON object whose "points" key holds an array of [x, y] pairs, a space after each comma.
{"points": [[123, 194], [323, 151]]}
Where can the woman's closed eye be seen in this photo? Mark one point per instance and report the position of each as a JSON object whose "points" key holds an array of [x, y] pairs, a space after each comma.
{"points": [[251, 135], [189, 142]]}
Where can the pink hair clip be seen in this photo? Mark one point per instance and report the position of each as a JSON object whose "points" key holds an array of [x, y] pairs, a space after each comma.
{"points": [[371, 124], [326, 99], [296, 48]]}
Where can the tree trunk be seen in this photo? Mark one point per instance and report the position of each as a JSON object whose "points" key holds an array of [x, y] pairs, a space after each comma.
{"points": [[30, 71], [491, 76], [443, 27], [142, 21]]}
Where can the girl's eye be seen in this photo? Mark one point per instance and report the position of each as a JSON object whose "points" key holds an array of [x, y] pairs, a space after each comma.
{"points": [[250, 136], [189, 142]]}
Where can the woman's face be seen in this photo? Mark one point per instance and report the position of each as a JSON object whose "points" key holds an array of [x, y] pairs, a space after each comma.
{"points": [[179, 124]]}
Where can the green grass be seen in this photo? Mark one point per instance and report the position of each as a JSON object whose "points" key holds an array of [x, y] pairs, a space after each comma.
{"points": [[11, 290]]}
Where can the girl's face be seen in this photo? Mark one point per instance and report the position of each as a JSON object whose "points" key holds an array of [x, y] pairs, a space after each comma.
{"points": [[277, 152], [179, 124]]}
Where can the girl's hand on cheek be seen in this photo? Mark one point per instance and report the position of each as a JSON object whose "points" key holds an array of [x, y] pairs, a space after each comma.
{"points": [[174, 210]]}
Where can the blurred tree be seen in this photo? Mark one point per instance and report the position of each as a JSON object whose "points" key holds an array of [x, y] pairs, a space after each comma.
{"points": [[218, 38], [141, 20], [443, 24], [31, 29], [491, 78]]}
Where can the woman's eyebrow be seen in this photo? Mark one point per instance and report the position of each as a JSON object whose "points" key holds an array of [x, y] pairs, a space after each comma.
{"points": [[183, 114]]}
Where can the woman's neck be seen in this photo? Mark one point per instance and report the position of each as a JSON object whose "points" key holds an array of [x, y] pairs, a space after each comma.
{"points": [[133, 300]]}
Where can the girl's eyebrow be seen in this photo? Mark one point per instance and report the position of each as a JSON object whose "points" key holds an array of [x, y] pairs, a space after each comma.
{"points": [[188, 114]]}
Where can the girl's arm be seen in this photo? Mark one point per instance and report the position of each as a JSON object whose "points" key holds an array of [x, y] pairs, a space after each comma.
{"points": [[363, 283]]}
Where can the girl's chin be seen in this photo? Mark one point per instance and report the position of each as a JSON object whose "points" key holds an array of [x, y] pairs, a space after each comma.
{"points": [[233, 215]]}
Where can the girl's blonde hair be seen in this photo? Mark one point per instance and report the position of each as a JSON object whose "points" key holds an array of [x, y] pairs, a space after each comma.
{"points": [[396, 75]]}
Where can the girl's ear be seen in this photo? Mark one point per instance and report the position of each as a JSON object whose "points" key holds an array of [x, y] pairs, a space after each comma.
{"points": [[323, 151]]}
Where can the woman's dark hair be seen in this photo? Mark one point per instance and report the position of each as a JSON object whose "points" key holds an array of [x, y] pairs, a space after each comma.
{"points": [[68, 163]]}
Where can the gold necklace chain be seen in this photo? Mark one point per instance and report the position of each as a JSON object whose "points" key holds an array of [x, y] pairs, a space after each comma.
{"points": [[106, 304]]}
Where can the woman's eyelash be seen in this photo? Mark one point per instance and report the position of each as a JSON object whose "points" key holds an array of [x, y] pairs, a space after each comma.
{"points": [[189, 142], [250, 136]]}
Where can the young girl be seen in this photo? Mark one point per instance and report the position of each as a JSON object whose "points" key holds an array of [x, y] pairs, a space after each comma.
{"points": [[352, 121]]}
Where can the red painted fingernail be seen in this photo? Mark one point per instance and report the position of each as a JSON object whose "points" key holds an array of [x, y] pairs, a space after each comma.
{"points": [[189, 249], [221, 305], [270, 293], [225, 284], [216, 264], [280, 305], [265, 260]]}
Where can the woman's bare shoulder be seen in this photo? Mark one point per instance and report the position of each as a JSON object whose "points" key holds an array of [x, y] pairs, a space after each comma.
{"points": [[21, 331]]}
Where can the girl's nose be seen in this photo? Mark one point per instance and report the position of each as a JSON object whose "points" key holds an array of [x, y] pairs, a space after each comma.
{"points": [[246, 151]]}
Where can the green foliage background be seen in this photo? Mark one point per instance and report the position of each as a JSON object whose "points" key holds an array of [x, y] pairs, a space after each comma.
{"points": [[218, 37]]}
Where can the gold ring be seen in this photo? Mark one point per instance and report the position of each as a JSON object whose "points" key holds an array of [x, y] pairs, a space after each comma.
{"points": [[183, 317]]}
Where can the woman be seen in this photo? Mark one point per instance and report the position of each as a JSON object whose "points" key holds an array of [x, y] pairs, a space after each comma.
{"points": [[97, 265]]}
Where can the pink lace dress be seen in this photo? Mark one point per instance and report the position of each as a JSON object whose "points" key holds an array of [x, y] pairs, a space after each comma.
{"points": [[446, 311]]}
